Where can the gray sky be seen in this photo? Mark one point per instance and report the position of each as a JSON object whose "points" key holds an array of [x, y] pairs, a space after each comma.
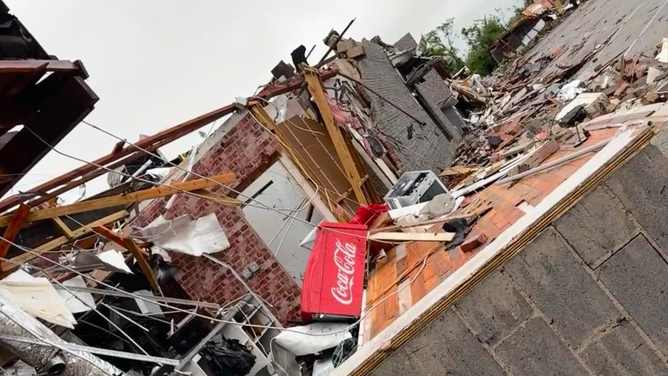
{"points": [[156, 63]]}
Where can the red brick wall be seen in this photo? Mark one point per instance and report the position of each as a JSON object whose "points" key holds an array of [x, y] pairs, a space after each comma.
{"points": [[247, 150]]}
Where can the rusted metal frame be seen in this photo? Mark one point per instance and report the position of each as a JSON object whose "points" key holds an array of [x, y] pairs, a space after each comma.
{"points": [[163, 138], [13, 229]]}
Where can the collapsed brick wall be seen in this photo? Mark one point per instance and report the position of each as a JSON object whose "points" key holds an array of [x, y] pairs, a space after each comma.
{"points": [[426, 146], [247, 150], [586, 297]]}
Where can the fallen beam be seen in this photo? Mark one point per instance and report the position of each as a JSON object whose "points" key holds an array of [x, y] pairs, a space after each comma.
{"points": [[15, 222], [124, 199], [143, 264], [412, 236], [62, 240], [315, 88], [164, 137]]}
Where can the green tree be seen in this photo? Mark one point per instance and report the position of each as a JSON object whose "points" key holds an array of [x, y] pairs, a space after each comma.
{"points": [[440, 42], [479, 37]]}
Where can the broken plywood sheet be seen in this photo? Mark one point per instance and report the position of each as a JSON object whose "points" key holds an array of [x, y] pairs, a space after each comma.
{"points": [[312, 147]]}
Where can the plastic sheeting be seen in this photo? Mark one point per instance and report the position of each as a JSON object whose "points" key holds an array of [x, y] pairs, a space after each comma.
{"points": [[304, 344], [14, 321], [202, 236]]}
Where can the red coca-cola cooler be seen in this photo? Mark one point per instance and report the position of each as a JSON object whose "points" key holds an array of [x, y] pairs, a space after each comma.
{"points": [[334, 277]]}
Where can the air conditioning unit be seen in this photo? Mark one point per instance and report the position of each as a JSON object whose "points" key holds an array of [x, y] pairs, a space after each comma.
{"points": [[414, 187]]}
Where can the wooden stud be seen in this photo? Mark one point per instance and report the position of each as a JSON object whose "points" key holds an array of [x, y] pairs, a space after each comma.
{"points": [[218, 198], [62, 240], [63, 227], [351, 169], [13, 227], [143, 264], [415, 236], [128, 198]]}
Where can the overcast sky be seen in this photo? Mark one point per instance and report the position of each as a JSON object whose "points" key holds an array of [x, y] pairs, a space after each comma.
{"points": [[156, 63]]}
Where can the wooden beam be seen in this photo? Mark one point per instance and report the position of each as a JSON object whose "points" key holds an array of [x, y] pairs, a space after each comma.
{"points": [[63, 227], [350, 168], [218, 198], [62, 240], [16, 221], [129, 198], [152, 142], [143, 264], [412, 236], [110, 235]]}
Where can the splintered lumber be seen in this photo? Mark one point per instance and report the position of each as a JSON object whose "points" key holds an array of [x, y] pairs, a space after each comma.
{"points": [[124, 199], [16, 220], [143, 264], [62, 240], [315, 88], [409, 237]]}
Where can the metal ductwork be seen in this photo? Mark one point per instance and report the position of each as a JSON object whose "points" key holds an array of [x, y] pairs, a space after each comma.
{"points": [[47, 359]]}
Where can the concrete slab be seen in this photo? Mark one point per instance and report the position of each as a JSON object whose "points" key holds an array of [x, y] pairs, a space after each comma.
{"points": [[559, 286], [623, 352], [399, 363], [642, 186], [638, 277], [536, 350], [596, 227], [494, 308], [445, 346]]}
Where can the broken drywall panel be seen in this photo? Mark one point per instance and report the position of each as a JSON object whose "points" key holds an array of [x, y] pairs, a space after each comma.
{"points": [[37, 297]]}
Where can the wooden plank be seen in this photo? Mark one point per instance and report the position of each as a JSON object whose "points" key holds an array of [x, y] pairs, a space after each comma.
{"points": [[407, 237], [14, 226], [63, 227], [153, 142], [315, 88], [218, 198], [143, 264], [57, 242], [129, 198], [110, 235]]}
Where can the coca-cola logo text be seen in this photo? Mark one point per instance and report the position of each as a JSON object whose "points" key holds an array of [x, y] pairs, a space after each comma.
{"points": [[344, 258]]}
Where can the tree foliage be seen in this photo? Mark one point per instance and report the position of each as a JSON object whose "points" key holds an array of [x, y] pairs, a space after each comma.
{"points": [[440, 42], [479, 37]]}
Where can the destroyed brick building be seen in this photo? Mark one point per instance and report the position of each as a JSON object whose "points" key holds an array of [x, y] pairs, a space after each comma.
{"points": [[366, 214]]}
